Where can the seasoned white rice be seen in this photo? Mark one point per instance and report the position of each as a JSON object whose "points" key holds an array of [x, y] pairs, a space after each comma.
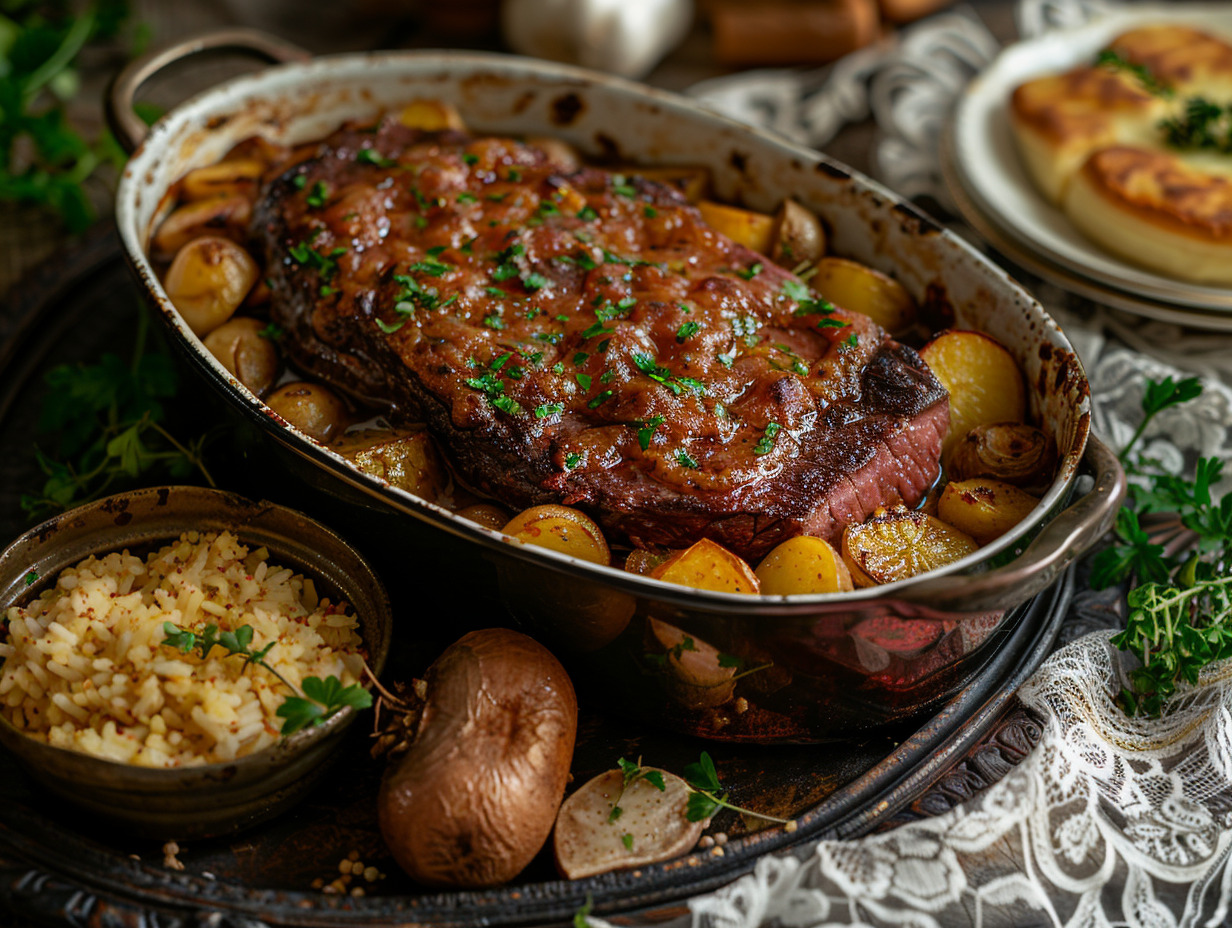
{"points": [[84, 666]]}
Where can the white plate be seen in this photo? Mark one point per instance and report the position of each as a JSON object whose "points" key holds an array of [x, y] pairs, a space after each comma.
{"points": [[993, 180]]}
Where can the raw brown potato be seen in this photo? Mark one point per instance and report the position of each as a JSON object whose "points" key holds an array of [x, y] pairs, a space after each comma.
{"points": [[1012, 452], [561, 529], [312, 408], [984, 382], [803, 564], [984, 509], [708, 566], [408, 460], [486, 514], [208, 281], [248, 356], [239, 176], [900, 544], [798, 236], [861, 289], [651, 825], [693, 182], [219, 216], [474, 798], [752, 230], [695, 673], [431, 115]]}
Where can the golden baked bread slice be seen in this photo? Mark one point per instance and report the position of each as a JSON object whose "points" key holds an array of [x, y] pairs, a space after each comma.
{"points": [[1094, 144], [1153, 209]]}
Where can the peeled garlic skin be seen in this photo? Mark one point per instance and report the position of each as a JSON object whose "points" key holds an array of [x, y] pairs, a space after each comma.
{"points": [[475, 796]]}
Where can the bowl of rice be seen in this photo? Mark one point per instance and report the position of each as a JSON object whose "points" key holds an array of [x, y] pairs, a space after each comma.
{"points": [[113, 693]]}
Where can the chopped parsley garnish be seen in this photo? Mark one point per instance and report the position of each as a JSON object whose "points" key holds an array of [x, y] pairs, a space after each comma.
{"points": [[534, 281], [325, 264], [695, 385], [547, 208], [621, 188], [414, 294], [647, 430], [558, 368], [326, 291], [466, 197], [496, 197], [603, 345], [465, 247], [650, 212], [800, 368], [31, 578], [832, 324], [300, 181], [587, 214], [746, 327], [686, 459], [648, 366], [501, 361], [505, 272], [581, 259], [516, 372], [688, 330], [389, 329], [601, 399], [580, 358], [372, 156], [727, 360], [751, 272], [1115, 61], [494, 321], [765, 444], [506, 404], [432, 267], [468, 158], [548, 409], [319, 195], [534, 357], [849, 342], [597, 329], [1204, 125], [607, 377], [572, 460], [552, 338], [272, 331], [488, 384], [584, 380]]}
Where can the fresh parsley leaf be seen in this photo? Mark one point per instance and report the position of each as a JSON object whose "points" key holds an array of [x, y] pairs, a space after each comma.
{"points": [[646, 432], [373, 157], [765, 444], [319, 195], [688, 330], [750, 272], [548, 409], [686, 459]]}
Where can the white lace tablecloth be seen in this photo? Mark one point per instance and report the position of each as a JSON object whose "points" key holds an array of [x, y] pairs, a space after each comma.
{"points": [[1107, 822]]}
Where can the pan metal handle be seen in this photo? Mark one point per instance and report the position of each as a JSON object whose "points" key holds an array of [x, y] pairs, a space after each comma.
{"points": [[1059, 544], [127, 126]]}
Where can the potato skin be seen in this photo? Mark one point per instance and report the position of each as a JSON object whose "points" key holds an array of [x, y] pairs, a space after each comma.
{"points": [[475, 797]]}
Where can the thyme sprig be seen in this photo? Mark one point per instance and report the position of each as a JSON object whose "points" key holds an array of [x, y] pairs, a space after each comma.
{"points": [[319, 699], [1180, 610]]}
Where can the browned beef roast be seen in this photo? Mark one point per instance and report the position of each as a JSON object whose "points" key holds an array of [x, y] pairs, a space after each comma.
{"points": [[585, 338]]}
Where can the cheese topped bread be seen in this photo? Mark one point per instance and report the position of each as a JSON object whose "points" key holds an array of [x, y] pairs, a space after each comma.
{"points": [[1107, 143]]}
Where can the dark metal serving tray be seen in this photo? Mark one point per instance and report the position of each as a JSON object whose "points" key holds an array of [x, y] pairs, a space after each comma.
{"points": [[57, 869]]}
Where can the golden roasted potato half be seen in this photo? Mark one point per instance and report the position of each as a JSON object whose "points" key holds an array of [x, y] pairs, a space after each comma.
{"points": [[798, 237], [431, 116], [899, 544], [486, 514], [699, 675], [208, 281], [312, 408], [408, 460], [861, 289], [643, 561], [984, 509], [708, 566], [754, 231], [983, 379], [803, 564], [561, 529]]}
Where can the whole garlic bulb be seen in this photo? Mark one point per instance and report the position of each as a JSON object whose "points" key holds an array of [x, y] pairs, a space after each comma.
{"points": [[625, 37]]}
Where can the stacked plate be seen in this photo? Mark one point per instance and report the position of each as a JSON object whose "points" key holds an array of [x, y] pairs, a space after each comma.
{"points": [[992, 189]]}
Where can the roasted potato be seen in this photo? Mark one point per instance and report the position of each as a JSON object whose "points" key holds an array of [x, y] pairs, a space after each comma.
{"points": [[559, 152], [983, 379], [803, 564], [408, 460], [899, 544], [486, 514], [248, 355], [561, 529], [431, 115], [693, 182], [745, 227], [652, 824], [644, 561], [218, 216], [474, 798], [312, 408], [861, 289], [984, 509], [208, 281], [1012, 452], [708, 566], [697, 675], [239, 176], [798, 237]]}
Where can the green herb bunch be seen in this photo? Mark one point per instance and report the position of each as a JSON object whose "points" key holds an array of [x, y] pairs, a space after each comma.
{"points": [[319, 699], [43, 159], [107, 420], [1180, 614]]}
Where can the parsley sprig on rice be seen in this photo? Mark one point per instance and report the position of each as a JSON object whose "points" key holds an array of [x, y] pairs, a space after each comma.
{"points": [[84, 666]]}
